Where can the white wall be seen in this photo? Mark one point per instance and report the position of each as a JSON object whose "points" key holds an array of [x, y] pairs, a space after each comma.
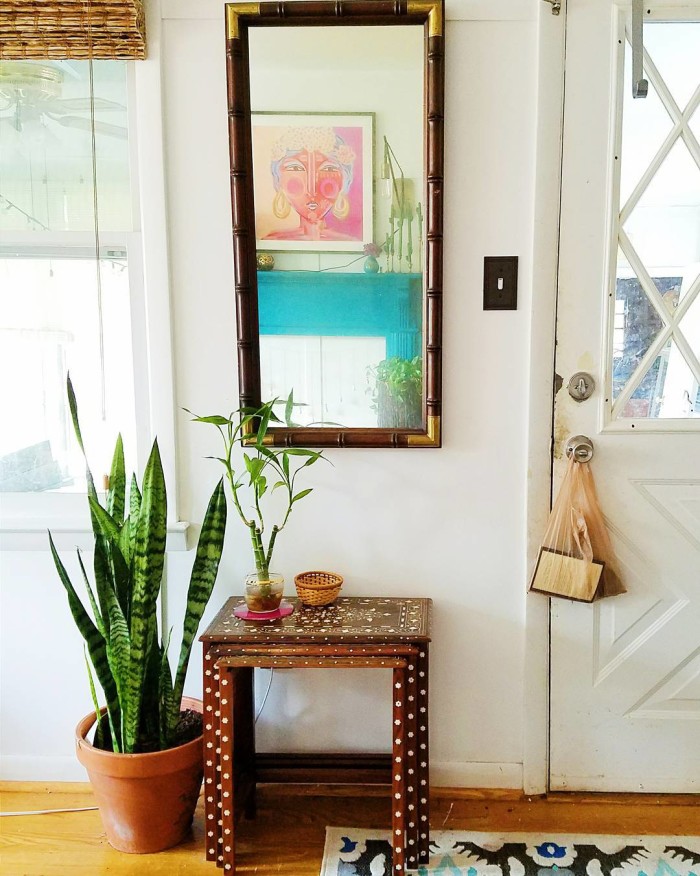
{"points": [[449, 523]]}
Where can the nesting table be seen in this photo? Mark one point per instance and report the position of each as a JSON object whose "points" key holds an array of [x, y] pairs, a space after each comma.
{"points": [[353, 632]]}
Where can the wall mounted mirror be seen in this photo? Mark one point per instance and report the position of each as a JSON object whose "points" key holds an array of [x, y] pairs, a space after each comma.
{"points": [[336, 135]]}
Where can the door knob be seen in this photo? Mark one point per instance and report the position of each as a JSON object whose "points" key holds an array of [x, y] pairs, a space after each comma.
{"points": [[580, 448]]}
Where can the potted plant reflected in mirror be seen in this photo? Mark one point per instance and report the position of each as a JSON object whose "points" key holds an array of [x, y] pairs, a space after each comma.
{"points": [[396, 386], [145, 760], [259, 473]]}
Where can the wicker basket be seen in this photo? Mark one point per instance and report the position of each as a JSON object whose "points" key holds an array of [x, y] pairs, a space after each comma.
{"points": [[318, 588]]}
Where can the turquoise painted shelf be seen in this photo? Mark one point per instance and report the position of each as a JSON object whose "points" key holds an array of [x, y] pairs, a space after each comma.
{"points": [[344, 305]]}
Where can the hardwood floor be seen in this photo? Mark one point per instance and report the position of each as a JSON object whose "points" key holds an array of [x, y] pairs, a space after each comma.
{"points": [[287, 836]]}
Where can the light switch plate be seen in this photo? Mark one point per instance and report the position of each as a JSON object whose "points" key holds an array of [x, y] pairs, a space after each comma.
{"points": [[501, 283]]}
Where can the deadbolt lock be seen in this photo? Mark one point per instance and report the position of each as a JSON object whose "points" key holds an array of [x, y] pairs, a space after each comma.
{"points": [[581, 386]]}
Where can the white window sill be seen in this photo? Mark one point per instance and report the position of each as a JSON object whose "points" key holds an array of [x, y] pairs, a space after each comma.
{"points": [[32, 535]]}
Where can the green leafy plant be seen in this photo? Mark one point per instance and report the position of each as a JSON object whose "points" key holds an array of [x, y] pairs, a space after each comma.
{"points": [[126, 652], [265, 470], [397, 392]]}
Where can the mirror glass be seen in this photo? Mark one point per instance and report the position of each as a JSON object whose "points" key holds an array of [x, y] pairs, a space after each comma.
{"points": [[337, 138]]}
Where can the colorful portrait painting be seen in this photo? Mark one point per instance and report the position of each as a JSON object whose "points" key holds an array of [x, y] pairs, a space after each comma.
{"points": [[313, 181]]}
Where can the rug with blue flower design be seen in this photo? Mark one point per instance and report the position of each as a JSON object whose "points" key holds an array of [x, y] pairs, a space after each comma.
{"points": [[359, 852]]}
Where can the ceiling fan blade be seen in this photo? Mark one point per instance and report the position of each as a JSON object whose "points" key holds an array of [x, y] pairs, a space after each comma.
{"points": [[86, 125], [82, 104]]}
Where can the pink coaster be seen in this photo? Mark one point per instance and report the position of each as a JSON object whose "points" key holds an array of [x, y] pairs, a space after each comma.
{"points": [[242, 611]]}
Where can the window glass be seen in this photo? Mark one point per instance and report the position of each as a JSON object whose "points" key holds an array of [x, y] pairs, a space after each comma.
{"points": [[65, 196], [655, 347]]}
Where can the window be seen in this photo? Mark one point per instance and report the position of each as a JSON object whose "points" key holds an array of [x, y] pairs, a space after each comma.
{"points": [[655, 336], [69, 268]]}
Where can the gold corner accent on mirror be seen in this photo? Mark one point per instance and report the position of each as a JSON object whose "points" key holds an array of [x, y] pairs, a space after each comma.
{"points": [[431, 438], [250, 436], [434, 10], [233, 13]]}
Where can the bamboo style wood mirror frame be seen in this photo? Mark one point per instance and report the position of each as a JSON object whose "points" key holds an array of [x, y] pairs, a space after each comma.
{"points": [[428, 15]]}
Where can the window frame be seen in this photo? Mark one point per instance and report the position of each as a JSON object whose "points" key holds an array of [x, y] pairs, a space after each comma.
{"points": [[662, 12], [25, 517]]}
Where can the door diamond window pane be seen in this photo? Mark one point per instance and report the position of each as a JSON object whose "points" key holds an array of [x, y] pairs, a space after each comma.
{"points": [[668, 390], [645, 126], [637, 325], [664, 226], [695, 124], [675, 49]]}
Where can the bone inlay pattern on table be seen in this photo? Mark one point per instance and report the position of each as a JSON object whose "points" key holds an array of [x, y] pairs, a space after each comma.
{"points": [[354, 632], [348, 617]]}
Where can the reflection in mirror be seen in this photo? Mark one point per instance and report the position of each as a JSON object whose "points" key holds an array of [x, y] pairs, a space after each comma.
{"points": [[338, 184], [339, 149]]}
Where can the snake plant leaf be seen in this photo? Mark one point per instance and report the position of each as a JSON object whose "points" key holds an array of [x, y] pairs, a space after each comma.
{"points": [[93, 602], [117, 484], [73, 405], [104, 579], [99, 740], [115, 565], [107, 527], [147, 569], [168, 712], [149, 729], [94, 641], [127, 534], [118, 655], [202, 580]]}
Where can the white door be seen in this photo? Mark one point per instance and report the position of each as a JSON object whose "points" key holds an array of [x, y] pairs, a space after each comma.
{"points": [[625, 672]]}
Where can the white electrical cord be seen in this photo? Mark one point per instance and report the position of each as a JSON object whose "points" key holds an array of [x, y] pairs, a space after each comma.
{"points": [[93, 808], [48, 811], [262, 705]]}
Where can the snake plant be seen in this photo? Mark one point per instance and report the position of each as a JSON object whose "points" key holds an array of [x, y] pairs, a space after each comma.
{"points": [[128, 655]]}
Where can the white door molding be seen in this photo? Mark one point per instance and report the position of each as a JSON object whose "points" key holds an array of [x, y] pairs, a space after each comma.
{"points": [[551, 32]]}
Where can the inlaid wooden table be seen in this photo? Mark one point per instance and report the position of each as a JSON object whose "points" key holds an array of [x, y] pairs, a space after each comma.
{"points": [[353, 632]]}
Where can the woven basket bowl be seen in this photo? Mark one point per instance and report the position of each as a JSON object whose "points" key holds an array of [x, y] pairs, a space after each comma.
{"points": [[318, 588]]}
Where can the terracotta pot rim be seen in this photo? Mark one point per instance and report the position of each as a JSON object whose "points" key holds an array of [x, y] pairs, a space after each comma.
{"points": [[155, 758]]}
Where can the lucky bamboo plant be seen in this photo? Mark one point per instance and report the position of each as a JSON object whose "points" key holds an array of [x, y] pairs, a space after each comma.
{"points": [[263, 465], [127, 653]]}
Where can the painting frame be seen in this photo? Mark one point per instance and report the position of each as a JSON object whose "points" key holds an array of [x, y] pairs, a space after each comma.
{"points": [[348, 224]]}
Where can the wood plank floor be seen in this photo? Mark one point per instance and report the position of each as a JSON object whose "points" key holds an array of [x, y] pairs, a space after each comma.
{"points": [[287, 836]]}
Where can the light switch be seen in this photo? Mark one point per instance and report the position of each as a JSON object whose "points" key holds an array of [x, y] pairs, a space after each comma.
{"points": [[501, 283]]}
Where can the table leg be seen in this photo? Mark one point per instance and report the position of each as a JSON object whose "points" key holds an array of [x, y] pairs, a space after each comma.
{"points": [[398, 773], [210, 684], [411, 764], [228, 706], [423, 759]]}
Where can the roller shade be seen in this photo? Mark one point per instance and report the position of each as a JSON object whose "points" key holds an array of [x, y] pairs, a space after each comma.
{"points": [[72, 29]]}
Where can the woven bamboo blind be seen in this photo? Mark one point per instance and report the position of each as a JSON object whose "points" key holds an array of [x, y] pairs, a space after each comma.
{"points": [[72, 29]]}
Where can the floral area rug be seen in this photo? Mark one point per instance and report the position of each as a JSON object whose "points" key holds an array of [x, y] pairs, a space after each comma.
{"points": [[358, 852]]}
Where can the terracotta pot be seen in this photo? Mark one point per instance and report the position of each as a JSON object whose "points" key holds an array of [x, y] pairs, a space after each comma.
{"points": [[146, 800]]}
